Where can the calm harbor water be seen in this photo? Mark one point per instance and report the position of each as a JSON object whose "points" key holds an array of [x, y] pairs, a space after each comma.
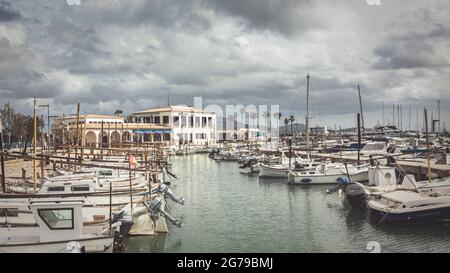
{"points": [[226, 211]]}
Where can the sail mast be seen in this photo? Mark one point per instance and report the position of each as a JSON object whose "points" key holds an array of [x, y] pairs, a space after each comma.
{"points": [[428, 145], [307, 114], [361, 108], [34, 143]]}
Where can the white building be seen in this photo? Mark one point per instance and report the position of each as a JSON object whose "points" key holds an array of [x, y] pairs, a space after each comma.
{"points": [[187, 125], [115, 131]]}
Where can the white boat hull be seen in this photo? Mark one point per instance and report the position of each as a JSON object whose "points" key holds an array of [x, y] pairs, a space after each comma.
{"points": [[308, 179], [57, 247], [273, 171]]}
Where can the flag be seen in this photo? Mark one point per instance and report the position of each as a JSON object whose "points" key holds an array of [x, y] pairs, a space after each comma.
{"points": [[132, 160]]}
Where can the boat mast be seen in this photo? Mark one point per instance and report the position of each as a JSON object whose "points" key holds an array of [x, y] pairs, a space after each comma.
{"points": [[361, 108], [428, 145], [34, 143], [307, 115], [2, 162], [77, 133], [409, 119], [439, 116]]}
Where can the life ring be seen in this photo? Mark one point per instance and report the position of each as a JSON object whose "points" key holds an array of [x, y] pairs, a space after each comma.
{"points": [[306, 180]]}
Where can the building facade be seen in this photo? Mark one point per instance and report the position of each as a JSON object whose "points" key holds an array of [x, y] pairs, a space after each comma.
{"points": [[187, 125], [116, 130], [172, 125]]}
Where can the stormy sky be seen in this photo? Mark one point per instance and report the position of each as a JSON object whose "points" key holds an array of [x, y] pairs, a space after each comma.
{"points": [[130, 55]]}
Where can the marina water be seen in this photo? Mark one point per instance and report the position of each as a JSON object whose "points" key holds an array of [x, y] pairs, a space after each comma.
{"points": [[226, 211]]}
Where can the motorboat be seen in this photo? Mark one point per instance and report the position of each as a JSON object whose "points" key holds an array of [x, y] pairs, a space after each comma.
{"points": [[408, 206], [383, 179], [328, 174], [59, 228]]}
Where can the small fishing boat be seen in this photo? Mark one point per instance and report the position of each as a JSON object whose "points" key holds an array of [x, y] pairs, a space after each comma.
{"points": [[59, 226], [249, 167], [328, 174], [282, 170], [274, 171], [408, 206], [382, 179]]}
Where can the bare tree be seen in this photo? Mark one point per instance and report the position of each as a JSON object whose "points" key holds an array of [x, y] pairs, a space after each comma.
{"points": [[7, 119]]}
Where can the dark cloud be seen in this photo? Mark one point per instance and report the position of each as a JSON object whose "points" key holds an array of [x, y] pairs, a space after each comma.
{"points": [[164, 14], [416, 50], [407, 54], [281, 16], [133, 54], [8, 13]]}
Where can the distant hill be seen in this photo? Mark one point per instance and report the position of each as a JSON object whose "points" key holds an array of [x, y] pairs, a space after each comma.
{"points": [[297, 127]]}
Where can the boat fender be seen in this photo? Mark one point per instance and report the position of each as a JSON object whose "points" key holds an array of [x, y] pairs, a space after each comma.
{"points": [[73, 247], [93, 249], [306, 180]]}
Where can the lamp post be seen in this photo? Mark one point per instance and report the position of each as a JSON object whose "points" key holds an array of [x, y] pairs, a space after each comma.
{"points": [[48, 120], [49, 130]]}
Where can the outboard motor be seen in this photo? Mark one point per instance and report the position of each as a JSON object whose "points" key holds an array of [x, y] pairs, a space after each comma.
{"points": [[212, 154], [154, 209], [244, 165], [356, 195], [125, 218], [342, 182], [165, 189]]}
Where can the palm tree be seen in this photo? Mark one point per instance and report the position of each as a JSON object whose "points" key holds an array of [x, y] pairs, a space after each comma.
{"points": [[253, 116], [242, 111], [278, 116], [286, 123], [266, 116], [231, 120], [292, 119], [118, 113]]}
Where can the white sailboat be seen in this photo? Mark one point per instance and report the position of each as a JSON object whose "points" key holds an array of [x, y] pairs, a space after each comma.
{"points": [[328, 174], [325, 174]]}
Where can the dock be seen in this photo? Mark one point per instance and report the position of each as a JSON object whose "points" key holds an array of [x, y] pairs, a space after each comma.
{"points": [[416, 166]]}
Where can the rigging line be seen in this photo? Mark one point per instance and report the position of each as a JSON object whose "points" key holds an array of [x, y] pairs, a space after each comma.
{"points": [[382, 219], [298, 94], [313, 109]]}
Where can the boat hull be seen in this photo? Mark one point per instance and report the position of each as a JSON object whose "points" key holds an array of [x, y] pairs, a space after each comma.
{"points": [[321, 179], [57, 247], [422, 215], [272, 172]]}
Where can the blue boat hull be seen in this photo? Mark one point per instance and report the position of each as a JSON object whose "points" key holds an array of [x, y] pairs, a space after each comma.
{"points": [[418, 216]]}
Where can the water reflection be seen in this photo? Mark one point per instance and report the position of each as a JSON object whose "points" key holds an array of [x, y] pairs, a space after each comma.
{"points": [[147, 244], [226, 211]]}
